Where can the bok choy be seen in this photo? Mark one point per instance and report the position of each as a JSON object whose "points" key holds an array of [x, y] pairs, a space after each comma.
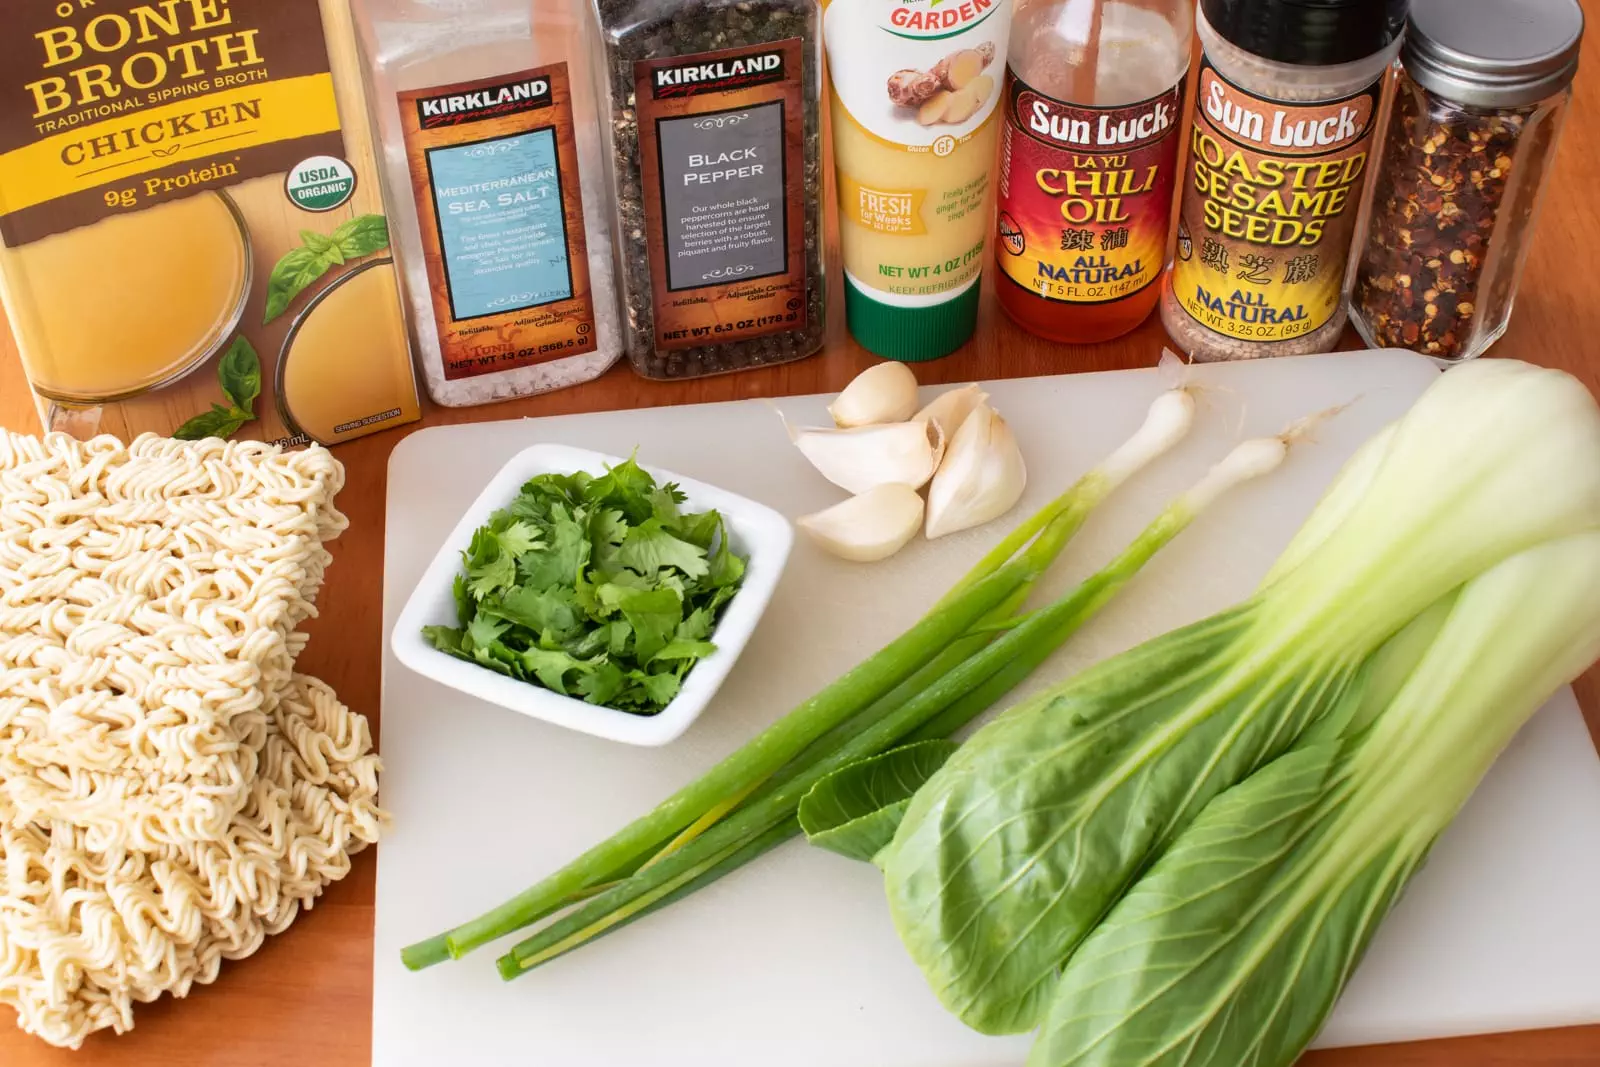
{"points": [[1235, 945], [1019, 845]]}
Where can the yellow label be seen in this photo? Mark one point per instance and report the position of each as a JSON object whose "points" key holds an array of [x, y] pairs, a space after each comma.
{"points": [[202, 128], [892, 211], [1269, 208], [192, 231], [916, 87]]}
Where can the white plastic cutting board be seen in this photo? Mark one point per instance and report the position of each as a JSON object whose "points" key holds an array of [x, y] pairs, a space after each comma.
{"points": [[793, 962]]}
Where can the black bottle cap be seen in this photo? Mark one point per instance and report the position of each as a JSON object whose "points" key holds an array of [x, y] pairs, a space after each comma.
{"points": [[1312, 33]]}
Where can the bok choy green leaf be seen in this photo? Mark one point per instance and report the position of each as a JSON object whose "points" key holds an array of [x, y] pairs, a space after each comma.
{"points": [[855, 810]]}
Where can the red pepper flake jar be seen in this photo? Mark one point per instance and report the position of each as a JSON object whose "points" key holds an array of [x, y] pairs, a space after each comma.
{"points": [[1482, 87]]}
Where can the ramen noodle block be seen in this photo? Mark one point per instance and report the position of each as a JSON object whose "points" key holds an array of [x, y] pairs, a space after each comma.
{"points": [[172, 789], [181, 182]]}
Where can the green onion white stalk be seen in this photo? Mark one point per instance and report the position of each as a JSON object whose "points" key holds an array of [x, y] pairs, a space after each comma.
{"points": [[992, 589]]}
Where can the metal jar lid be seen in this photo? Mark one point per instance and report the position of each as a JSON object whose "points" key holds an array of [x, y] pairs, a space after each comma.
{"points": [[1493, 53], [1309, 33]]}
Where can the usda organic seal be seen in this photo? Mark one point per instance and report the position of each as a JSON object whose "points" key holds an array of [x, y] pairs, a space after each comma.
{"points": [[320, 183]]}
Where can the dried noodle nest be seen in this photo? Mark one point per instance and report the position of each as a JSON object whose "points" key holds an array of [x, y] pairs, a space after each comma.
{"points": [[171, 791]]}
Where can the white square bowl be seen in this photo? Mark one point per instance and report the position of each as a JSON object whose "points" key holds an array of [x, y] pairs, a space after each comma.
{"points": [[757, 532]]}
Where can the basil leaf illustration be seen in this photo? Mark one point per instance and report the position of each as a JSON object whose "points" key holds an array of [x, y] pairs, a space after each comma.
{"points": [[294, 273], [323, 245], [318, 253], [218, 422], [240, 373], [362, 235]]}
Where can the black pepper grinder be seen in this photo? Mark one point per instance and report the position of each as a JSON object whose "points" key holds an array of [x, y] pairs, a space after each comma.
{"points": [[716, 135]]}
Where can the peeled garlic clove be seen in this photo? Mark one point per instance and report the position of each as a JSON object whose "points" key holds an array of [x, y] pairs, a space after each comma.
{"points": [[951, 408], [881, 394], [982, 477], [869, 527], [902, 453]]}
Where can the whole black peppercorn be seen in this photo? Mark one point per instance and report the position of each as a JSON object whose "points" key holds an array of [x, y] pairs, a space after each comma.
{"points": [[716, 130]]}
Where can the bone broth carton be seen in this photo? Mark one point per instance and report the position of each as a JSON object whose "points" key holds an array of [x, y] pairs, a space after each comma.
{"points": [[192, 237]]}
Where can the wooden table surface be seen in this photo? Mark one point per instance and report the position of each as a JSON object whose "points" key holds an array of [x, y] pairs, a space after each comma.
{"points": [[305, 999]]}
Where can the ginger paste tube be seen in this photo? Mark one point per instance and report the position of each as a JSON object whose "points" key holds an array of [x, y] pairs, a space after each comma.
{"points": [[915, 119]]}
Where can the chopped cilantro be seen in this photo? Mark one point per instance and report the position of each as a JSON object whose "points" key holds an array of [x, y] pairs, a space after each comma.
{"points": [[597, 587]]}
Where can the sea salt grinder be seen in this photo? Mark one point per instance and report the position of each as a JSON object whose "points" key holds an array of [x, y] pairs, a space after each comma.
{"points": [[494, 176]]}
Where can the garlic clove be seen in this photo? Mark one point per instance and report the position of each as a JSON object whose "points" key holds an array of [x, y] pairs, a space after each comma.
{"points": [[881, 394], [901, 453], [982, 477], [869, 527], [951, 407]]}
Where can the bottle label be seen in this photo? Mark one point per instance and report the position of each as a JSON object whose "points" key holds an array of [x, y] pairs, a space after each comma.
{"points": [[1086, 193], [194, 235], [917, 88], [120, 106], [721, 136], [494, 168], [1270, 200]]}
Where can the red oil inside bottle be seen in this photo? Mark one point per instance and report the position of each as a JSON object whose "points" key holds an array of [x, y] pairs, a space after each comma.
{"points": [[1092, 117]]}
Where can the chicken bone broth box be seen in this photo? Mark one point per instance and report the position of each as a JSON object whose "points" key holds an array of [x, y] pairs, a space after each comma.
{"points": [[192, 233]]}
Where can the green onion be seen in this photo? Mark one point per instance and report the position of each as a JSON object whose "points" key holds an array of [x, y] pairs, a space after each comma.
{"points": [[990, 586], [1007, 660]]}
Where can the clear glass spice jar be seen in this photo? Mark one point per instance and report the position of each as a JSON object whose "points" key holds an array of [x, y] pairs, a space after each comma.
{"points": [[715, 115], [494, 170], [1482, 90]]}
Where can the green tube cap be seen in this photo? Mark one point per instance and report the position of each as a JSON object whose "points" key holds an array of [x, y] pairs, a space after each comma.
{"points": [[911, 334]]}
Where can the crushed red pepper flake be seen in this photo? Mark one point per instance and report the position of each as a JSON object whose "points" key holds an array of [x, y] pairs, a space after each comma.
{"points": [[1444, 178]]}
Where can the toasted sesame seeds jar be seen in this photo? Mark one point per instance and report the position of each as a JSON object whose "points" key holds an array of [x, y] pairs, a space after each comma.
{"points": [[1482, 88], [1287, 109]]}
